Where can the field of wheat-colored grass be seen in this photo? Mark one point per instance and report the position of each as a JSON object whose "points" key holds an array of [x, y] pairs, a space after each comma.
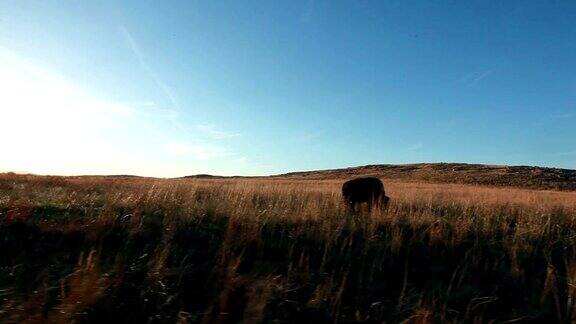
{"points": [[262, 250]]}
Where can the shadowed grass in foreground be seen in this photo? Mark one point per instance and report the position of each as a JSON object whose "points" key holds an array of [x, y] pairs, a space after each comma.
{"points": [[141, 250]]}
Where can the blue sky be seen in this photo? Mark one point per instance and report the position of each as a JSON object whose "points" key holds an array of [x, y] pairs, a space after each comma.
{"points": [[263, 87]]}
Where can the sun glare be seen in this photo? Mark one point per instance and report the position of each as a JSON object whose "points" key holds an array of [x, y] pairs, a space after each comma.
{"points": [[49, 125]]}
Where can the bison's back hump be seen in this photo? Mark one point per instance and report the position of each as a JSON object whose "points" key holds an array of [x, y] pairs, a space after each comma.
{"points": [[362, 184], [369, 181]]}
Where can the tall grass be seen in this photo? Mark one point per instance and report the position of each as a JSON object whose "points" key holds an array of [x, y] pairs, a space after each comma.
{"points": [[140, 250]]}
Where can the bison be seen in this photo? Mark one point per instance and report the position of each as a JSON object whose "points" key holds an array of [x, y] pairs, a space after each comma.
{"points": [[367, 190]]}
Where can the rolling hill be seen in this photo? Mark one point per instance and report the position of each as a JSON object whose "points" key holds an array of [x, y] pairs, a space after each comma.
{"points": [[461, 173]]}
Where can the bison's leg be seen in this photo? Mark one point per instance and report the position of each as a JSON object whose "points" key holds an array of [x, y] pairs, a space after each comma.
{"points": [[374, 201], [350, 205], [353, 206], [371, 202], [384, 201]]}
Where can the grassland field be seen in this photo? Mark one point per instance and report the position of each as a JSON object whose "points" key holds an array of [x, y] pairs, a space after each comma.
{"points": [[144, 250]]}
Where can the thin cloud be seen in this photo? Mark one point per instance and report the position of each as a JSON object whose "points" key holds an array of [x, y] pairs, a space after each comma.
{"points": [[476, 77], [214, 132], [158, 112], [415, 147], [482, 76], [151, 109], [198, 151], [136, 50]]}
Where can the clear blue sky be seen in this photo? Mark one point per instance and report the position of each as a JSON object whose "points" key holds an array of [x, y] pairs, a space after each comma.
{"points": [[261, 87]]}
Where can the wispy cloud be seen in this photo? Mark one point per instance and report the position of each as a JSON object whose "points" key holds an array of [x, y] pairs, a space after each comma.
{"points": [[415, 147], [476, 77], [199, 151], [482, 76], [214, 132], [137, 51], [152, 109]]}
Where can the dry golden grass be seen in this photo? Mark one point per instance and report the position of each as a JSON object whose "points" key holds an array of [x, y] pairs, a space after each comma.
{"points": [[262, 250], [485, 196], [91, 191]]}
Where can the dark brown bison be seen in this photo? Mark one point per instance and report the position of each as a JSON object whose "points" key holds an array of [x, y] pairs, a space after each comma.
{"points": [[368, 190]]}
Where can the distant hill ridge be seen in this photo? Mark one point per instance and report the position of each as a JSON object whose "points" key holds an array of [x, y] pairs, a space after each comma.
{"points": [[531, 177], [461, 173]]}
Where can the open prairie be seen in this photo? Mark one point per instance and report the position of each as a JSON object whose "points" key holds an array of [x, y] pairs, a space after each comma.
{"points": [[297, 161], [94, 249]]}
